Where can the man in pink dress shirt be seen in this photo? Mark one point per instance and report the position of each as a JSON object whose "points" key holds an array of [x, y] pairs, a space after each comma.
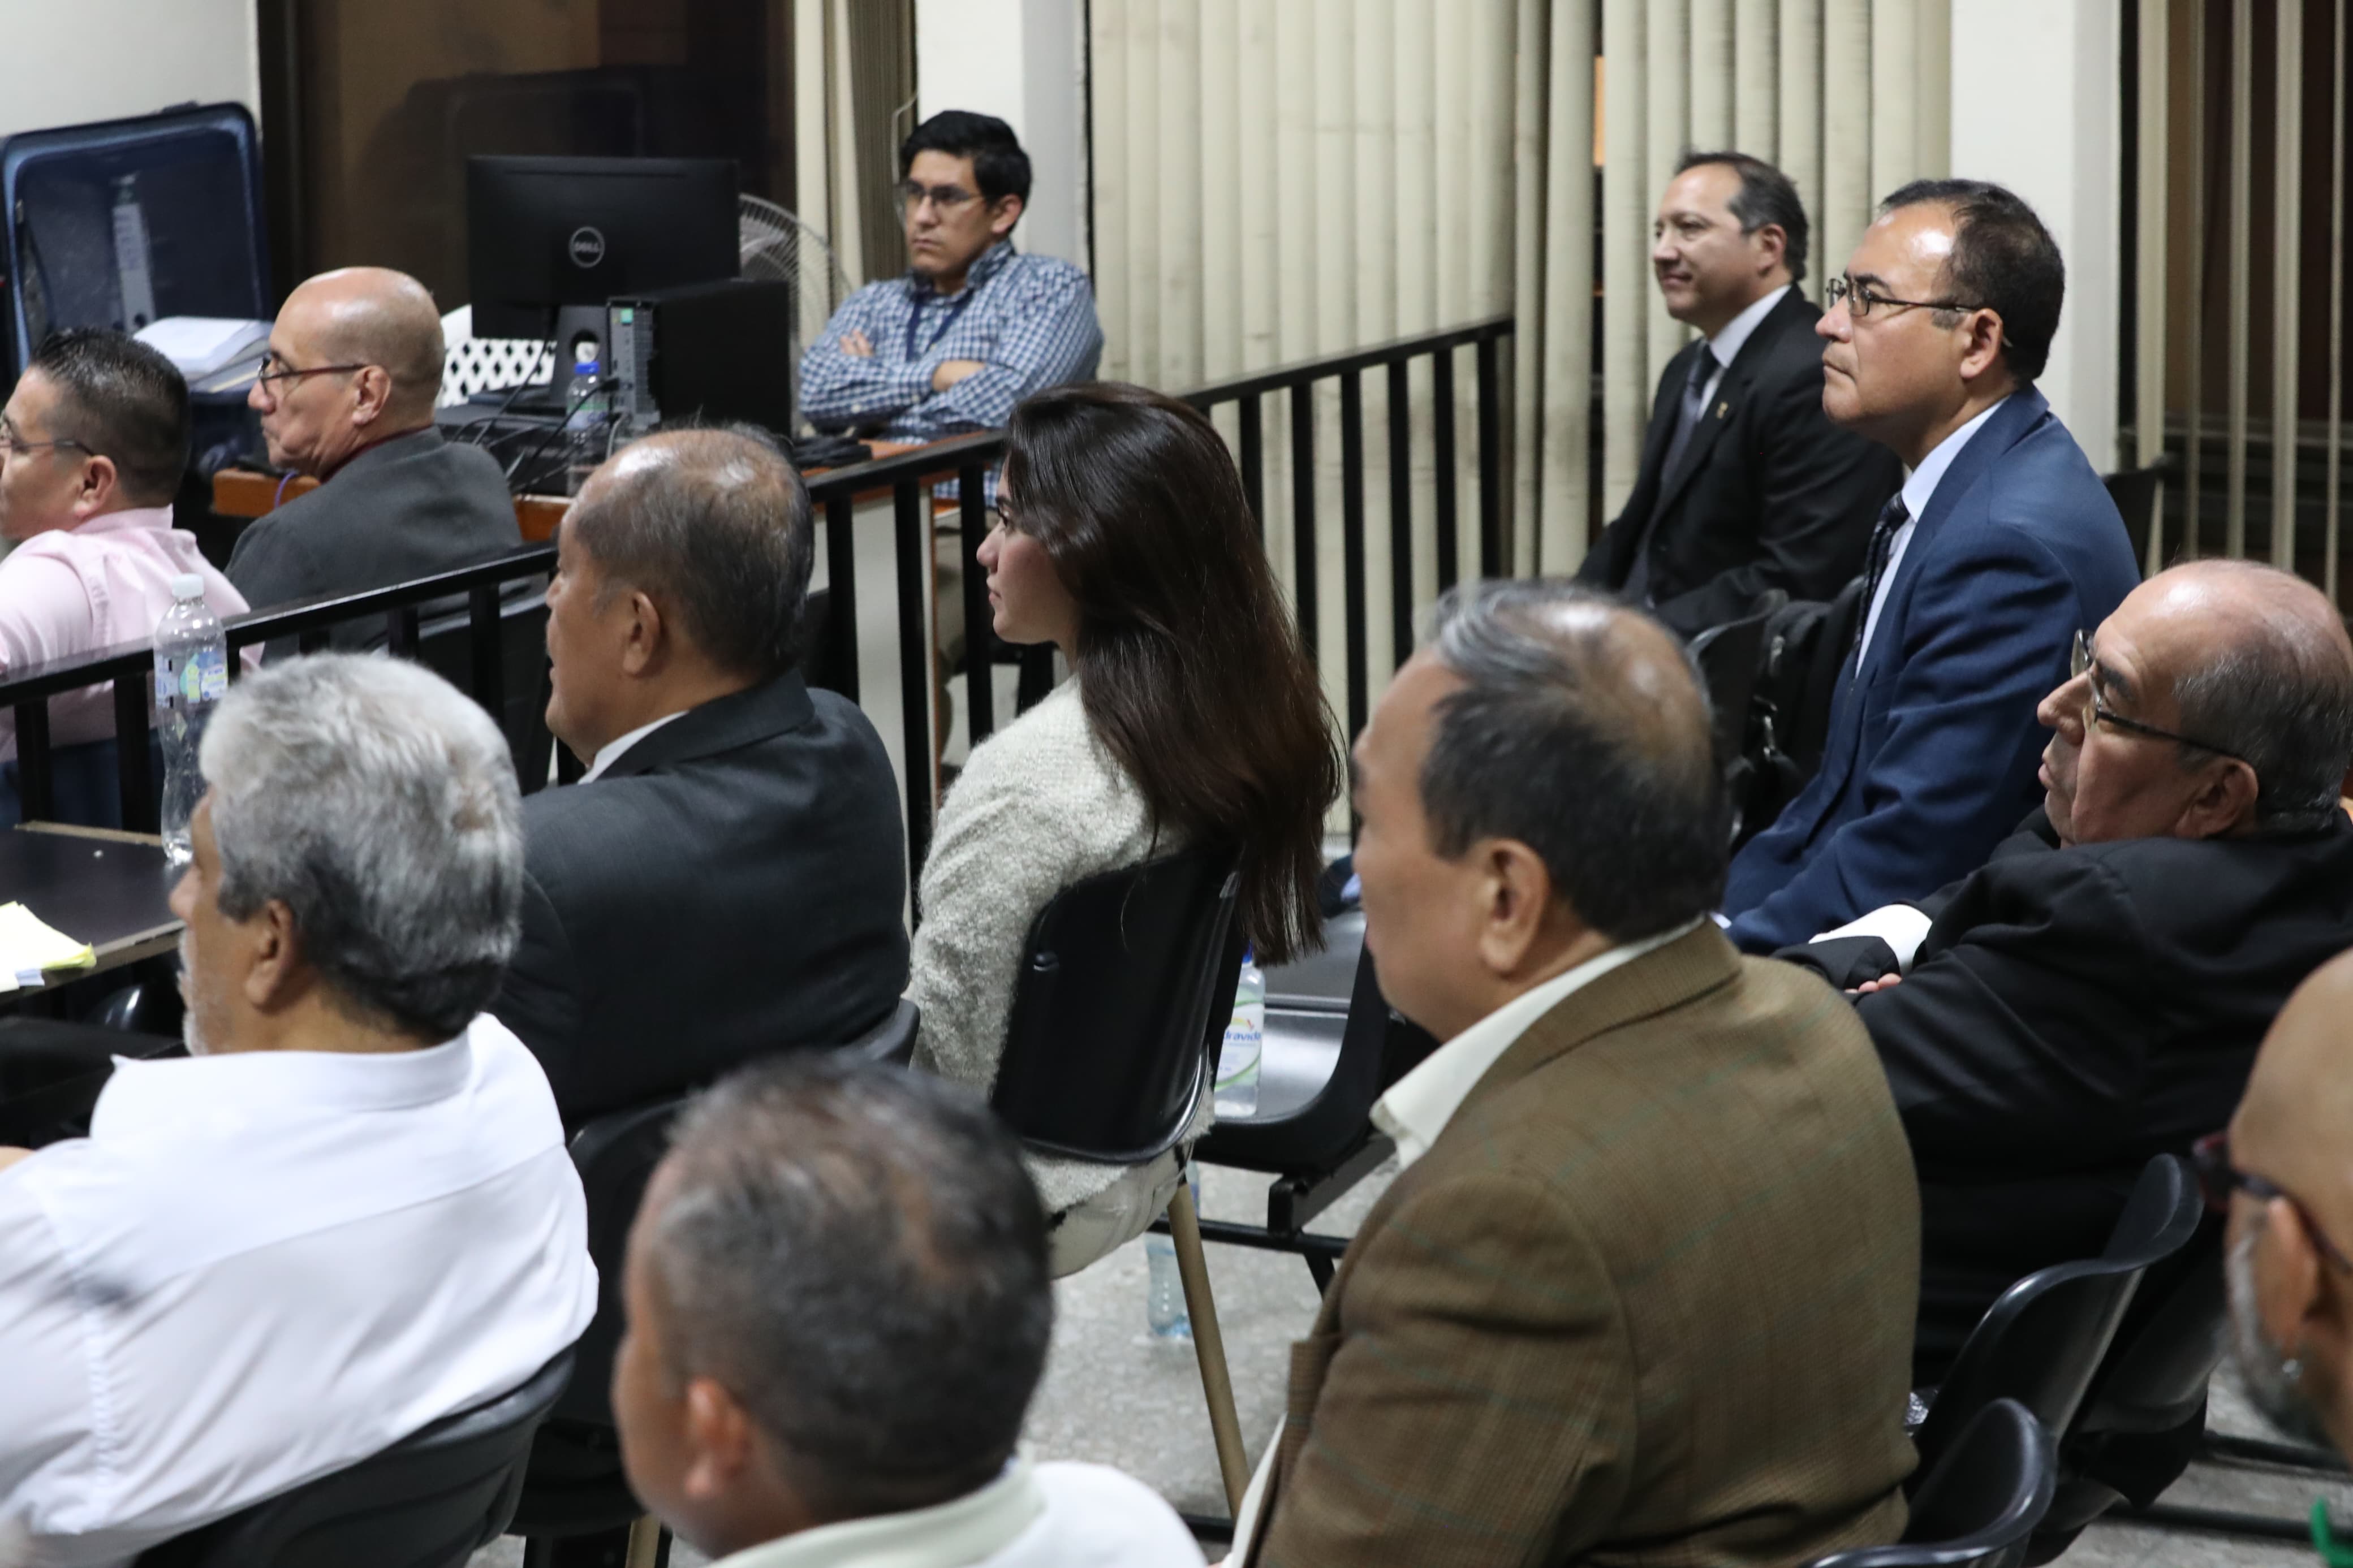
{"points": [[92, 445]]}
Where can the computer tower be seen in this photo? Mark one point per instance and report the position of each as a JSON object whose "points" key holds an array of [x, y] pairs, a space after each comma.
{"points": [[711, 353]]}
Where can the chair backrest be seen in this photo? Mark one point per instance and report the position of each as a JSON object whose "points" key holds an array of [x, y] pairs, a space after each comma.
{"points": [[1728, 656], [2043, 1340], [893, 1041], [431, 1501], [2135, 491], [1377, 1048], [615, 1155], [1979, 1506], [1122, 1000], [2156, 1374]]}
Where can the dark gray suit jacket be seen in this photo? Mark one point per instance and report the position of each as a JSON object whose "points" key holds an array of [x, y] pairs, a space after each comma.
{"points": [[403, 509], [1769, 493], [732, 885]]}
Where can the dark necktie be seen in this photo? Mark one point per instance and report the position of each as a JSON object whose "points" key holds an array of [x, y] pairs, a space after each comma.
{"points": [[1892, 517], [1695, 399]]}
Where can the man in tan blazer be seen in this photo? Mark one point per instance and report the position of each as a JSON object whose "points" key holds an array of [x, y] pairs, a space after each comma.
{"points": [[1643, 1292]]}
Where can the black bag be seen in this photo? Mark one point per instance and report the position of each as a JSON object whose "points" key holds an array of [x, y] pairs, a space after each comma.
{"points": [[1806, 645]]}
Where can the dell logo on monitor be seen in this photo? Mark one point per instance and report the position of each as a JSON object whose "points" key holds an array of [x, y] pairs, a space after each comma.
{"points": [[587, 246]]}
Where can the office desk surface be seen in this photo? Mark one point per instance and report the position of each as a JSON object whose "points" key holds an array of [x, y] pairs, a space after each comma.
{"points": [[107, 889]]}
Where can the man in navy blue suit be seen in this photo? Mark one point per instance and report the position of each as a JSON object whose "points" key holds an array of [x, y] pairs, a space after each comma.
{"points": [[2001, 546]]}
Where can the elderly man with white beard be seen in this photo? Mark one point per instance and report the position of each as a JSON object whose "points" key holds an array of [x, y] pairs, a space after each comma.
{"points": [[349, 1211]]}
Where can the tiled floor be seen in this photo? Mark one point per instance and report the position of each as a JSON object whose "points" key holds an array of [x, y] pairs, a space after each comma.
{"points": [[1115, 1395]]}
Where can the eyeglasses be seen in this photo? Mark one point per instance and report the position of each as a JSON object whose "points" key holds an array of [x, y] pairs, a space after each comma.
{"points": [[2098, 713], [11, 442], [1860, 302], [275, 370], [944, 199], [2218, 1179]]}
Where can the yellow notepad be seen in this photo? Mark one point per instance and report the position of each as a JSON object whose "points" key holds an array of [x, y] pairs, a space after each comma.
{"points": [[28, 946]]}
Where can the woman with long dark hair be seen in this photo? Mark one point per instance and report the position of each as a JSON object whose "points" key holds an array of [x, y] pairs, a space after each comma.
{"points": [[1192, 715]]}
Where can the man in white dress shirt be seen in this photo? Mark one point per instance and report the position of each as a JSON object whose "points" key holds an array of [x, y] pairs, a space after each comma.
{"points": [[349, 1212], [838, 1309]]}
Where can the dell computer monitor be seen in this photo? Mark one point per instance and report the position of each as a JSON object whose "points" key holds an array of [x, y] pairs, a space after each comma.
{"points": [[545, 234]]}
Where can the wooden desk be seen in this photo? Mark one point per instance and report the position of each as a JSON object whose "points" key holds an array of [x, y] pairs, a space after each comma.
{"points": [[239, 493], [110, 890]]}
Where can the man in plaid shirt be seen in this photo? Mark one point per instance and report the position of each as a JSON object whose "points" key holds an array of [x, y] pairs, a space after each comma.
{"points": [[974, 326]]}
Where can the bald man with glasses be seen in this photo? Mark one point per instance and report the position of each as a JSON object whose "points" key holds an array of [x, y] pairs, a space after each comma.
{"points": [[346, 396], [2093, 994]]}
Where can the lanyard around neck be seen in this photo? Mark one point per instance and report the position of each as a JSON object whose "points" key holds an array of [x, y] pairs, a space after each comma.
{"points": [[954, 308]]}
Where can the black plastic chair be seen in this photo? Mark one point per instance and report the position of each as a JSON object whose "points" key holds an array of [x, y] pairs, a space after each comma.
{"points": [[431, 1501], [2043, 1340], [1118, 1016], [2135, 492], [1980, 1505], [1317, 1150], [2141, 1420], [576, 1486]]}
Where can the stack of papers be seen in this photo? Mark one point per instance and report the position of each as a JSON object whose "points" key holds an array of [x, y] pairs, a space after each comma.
{"points": [[216, 353], [27, 947]]}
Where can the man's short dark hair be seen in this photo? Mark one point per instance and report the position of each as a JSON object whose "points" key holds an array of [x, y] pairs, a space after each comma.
{"points": [[2002, 261], [855, 1252], [124, 401], [2280, 700], [999, 163], [1564, 737], [720, 532], [1765, 195]]}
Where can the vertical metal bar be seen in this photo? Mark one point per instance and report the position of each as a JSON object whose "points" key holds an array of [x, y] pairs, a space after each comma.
{"points": [[400, 631], [2336, 306], [1491, 458], [979, 637], [907, 499], [136, 779], [2150, 317], [485, 651], [1352, 543], [2287, 208], [1441, 424], [2194, 355], [1401, 515], [2235, 344], [35, 770], [1303, 511], [841, 587], [1253, 459]]}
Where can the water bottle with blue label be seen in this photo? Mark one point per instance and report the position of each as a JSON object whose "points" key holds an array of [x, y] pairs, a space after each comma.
{"points": [[191, 678], [1237, 1059], [587, 417]]}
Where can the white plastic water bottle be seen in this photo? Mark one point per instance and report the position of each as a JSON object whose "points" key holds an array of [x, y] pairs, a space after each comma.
{"points": [[1164, 1296], [1237, 1059], [587, 416], [191, 678]]}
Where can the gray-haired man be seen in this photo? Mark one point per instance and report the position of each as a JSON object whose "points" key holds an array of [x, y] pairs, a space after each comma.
{"points": [[838, 1309], [349, 1212]]}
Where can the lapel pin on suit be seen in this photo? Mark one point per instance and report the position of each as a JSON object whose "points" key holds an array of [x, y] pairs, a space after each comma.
{"points": [[1723, 410]]}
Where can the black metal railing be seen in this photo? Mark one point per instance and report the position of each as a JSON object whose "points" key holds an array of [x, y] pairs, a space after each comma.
{"points": [[913, 480], [131, 666]]}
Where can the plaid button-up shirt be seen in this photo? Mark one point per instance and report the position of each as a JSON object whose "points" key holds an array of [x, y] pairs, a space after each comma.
{"points": [[1029, 320]]}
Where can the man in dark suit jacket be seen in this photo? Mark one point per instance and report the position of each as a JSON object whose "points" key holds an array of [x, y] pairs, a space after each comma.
{"points": [[1744, 486], [727, 880], [2094, 994], [347, 397], [1652, 1256], [2001, 547]]}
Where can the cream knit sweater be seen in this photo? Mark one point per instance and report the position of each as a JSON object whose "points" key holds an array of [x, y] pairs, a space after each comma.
{"points": [[1039, 806]]}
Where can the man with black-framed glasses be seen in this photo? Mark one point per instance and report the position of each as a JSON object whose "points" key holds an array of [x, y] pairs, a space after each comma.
{"points": [[2093, 994], [974, 326], [2281, 1174], [346, 396]]}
